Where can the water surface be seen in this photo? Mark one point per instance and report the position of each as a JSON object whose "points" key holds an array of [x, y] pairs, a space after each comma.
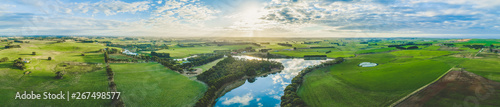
{"points": [[265, 91]]}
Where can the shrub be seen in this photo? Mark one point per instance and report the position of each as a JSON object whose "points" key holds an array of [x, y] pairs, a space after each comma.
{"points": [[60, 74], [50, 58], [4, 59]]}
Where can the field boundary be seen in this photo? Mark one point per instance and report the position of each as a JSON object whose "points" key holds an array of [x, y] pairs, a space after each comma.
{"points": [[419, 89]]}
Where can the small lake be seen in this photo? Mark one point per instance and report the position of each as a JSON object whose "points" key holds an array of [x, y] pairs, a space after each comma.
{"points": [[265, 91]]}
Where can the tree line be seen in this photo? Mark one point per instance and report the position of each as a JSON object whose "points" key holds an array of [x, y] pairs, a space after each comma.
{"points": [[201, 60], [290, 98]]}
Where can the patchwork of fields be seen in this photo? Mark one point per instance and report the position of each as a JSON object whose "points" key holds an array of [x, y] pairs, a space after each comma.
{"points": [[144, 82]]}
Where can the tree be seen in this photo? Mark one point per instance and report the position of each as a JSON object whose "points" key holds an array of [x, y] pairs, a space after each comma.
{"points": [[4, 59], [50, 58], [83, 54], [60, 74], [33, 53], [18, 63], [106, 57]]}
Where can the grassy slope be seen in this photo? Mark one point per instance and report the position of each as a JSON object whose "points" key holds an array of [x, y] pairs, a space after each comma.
{"points": [[151, 84], [41, 79], [398, 74]]}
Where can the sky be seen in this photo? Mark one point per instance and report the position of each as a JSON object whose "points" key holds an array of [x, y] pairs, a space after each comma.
{"points": [[252, 18]]}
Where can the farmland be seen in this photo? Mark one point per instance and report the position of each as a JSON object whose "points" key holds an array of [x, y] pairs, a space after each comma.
{"points": [[151, 84], [41, 79], [164, 79]]}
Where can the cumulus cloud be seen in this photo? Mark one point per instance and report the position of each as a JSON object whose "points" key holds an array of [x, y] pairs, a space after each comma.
{"points": [[243, 100], [184, 10], [111, 7]]}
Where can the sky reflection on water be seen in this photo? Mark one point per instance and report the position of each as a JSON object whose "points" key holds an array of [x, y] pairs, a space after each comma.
{"points": [[265, 91]]}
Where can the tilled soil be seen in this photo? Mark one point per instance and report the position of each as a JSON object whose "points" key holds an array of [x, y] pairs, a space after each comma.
{"points": [[457, 88]]}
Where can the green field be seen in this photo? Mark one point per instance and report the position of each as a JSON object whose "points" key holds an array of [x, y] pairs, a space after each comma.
{"points": [[151, 84], [43, 71], [397, 74], [208, 65], [486, 67]]}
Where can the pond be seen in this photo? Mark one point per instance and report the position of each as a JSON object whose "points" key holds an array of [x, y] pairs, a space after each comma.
{"points": [[267, 90]]}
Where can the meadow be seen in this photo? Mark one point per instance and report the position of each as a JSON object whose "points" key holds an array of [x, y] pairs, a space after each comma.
{"points": [[208, 65], [41, 79], [398, 74], [152, 84]]}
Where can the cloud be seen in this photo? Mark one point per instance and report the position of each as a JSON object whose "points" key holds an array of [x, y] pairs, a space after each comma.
{"points": [[243, 100], [111, 7], [473, 3], [186, 11]]}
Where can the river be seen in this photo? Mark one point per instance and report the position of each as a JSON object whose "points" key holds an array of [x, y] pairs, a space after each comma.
{"points": [[265, 91]]}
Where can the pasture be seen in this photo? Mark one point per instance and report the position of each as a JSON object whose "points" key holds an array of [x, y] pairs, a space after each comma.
{"points": [[152, 84], [398, 74], [41, 79]]}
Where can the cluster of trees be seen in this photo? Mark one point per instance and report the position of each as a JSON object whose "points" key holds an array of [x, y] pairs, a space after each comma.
{"points": [[247, 49], [161, 55], [410, 43], [290, 98], [122, 60], [13, 46], [4, 59], [21, 41], [234, 43], [18, 63], [449, 44], [408, 48], [201, 60], [322, 47], [285, 44], [314, 55], [173, 65], [141, 47], [312, 42], [474, 46], [229, 70], [112, 50]]}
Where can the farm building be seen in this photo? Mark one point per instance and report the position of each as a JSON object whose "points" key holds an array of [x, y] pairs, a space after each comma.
{"points": [[367, 64]]}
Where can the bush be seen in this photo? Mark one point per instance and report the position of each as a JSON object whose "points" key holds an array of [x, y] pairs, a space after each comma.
{"points": [[50, 58], [60, 74], [18, 63], [4, 59]]}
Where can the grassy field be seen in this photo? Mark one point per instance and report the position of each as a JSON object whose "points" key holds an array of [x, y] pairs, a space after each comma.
{"points": [[208, 65], [43, 71], [375, 50], [486, 67], [151, 84], [181, 52], [397, 74]]}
